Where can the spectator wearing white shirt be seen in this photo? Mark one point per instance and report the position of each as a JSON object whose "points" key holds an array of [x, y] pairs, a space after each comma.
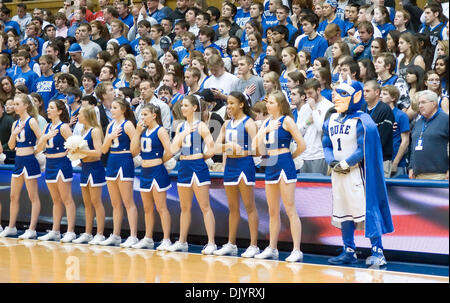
{"points": [[89, 48], [147, 95], [220, 82], [22, 18], [310, 123]]}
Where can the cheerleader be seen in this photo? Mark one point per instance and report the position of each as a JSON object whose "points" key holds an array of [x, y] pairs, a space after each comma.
{"points": [[58, 170], [153, 142], [239, 176], [120, 171], [24, 134], [92, 177], [276, 134], [193, 173]]}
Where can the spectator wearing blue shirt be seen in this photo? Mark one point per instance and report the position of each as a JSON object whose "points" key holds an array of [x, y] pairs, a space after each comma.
{"points": [[362, 49], [117, 31], [256, 51], [79, 17], [45, 84], [32, 30], [382, 20], [282, 13], [124, 14], [205, 36], [329, 15], [390, 95], [143, 31], [6, 18], [243, 13], [313, 43], [214, 14], [27, 76], [270, 12], [153, 10], [188, 41]]}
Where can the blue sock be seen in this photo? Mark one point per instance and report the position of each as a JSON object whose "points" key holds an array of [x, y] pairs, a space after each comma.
{"points": [[376, 241], [348, 234]]}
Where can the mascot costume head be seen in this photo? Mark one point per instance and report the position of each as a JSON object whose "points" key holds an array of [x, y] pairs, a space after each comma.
{"points": [[348, 97]]}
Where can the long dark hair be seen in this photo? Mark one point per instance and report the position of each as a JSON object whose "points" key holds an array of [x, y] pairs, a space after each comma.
{"points": [[444, 77], [60, 105], [274, 64], [419, 72], [370, 69], [40, 109], [128, 113], [196, 101], [243, 99], [154, 109]]}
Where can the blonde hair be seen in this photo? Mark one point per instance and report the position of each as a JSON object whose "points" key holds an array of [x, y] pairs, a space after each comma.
{"points": [[285, 108], [274, 78], [28, 101], [91, 117], [293, 52], [445, 45]]}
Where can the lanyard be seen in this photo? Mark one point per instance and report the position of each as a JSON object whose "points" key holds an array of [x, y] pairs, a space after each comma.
{"points": [[425, 123]]}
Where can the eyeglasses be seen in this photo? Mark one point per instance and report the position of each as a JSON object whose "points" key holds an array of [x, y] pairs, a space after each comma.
{"points": [[433, 81], [424, 102]]}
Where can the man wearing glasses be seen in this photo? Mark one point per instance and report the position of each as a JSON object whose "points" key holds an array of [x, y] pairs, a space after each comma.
{"points": [[429, 140]]}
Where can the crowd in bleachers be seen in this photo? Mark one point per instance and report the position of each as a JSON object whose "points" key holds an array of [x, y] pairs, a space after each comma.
{"points": [[150, 53]]}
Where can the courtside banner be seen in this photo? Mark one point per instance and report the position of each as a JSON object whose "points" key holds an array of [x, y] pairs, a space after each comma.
{"points": [[420, 211]]}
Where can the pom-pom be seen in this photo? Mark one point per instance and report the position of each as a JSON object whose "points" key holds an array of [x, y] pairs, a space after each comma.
{"points": [[210, 163], [170, 164], [40, 157], [2, 158], [137, 161], [72, 144]]}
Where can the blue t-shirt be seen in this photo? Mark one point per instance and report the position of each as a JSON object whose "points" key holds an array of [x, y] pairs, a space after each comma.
{"points": [[271, 21], [385, 29], [241, 17], [338, 21], [12, 24], [326, 93], [27, 78], [401, 125], [45, 86], [316, 47], [135, 46], [178, 46], [158, 15], [128, 20], [121, 40], [201, 48]]}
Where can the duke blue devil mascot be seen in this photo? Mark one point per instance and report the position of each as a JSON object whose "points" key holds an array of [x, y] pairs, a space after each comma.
{"points": [[353, 150]]}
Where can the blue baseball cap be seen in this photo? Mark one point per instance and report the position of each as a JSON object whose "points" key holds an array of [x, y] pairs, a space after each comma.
{"points": [[75, 48], [32, 40], [332, 3]]}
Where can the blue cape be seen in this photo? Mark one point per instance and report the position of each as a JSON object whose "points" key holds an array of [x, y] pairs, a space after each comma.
{"points": [[378, 215]]}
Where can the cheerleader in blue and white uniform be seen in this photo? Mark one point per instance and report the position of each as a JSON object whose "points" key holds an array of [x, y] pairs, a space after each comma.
{"points": [[193, 173], [25, 133], [58, 170], [92, 177], [281, 177], [120, 171], [153, 142], [235, 140]]}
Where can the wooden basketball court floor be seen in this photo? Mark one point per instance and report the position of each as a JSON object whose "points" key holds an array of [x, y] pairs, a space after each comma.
{"points": [[32, 261]]}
